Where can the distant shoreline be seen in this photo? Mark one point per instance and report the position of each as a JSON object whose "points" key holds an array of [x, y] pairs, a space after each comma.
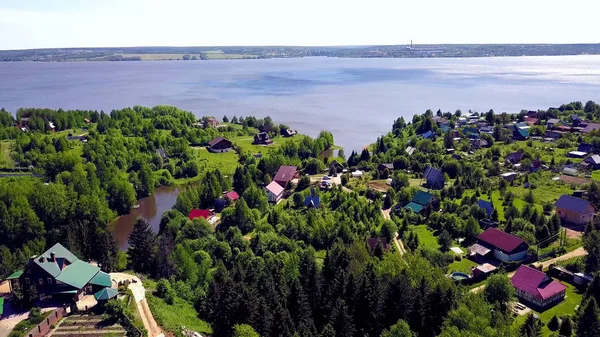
{"points": [[137, 54]]}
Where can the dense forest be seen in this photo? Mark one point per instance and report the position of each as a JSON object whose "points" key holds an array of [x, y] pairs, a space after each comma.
{"points": [[396, 51], [287, 269]]}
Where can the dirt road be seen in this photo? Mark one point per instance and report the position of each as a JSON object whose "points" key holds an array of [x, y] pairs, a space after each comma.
{"points": [[576, 253], [139, 294]]}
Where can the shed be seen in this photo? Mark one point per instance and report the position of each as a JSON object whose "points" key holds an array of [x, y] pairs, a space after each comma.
{"points": [[577, 154], [434, 177], [357, 174], [487, 206]]}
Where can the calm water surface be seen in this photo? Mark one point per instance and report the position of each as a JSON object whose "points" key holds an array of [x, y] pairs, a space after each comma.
{"points": [[151, 209], [356, 99]]}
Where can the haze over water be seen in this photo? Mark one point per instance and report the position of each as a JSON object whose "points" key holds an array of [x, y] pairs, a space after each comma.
{"points": [[356, 99]]}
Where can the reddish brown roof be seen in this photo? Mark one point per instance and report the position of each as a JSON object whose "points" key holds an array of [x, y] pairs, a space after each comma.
{"points": [[505, 242], [274, 188], [536, 283], [285, 174], [197, 213]]}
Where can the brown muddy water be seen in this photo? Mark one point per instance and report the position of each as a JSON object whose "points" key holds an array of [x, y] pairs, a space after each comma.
{"points": [[151, 209]]}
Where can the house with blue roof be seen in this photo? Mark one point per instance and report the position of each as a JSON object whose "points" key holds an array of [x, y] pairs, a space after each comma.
{"points": [[312, 200], [584, 147], [573, 210], [487, 206], [427, 135], [57, 273], [521, 132], [434, 177]]}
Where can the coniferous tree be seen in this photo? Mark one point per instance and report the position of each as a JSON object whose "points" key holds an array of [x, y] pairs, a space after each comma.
{"points": [[566, 327], [589, 320], [400, 329], [554, 324], [531, 327], [341, 320], [141, 247]]}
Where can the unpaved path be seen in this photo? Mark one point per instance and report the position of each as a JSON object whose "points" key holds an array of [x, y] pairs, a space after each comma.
{"points": [[397, 241], [576, 253], [139, 294]]}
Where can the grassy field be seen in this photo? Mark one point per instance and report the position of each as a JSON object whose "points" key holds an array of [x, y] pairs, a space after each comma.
{"points": [[5, 159], [244, 143], [596, 175], [173, 317], [566, 307], [226, 162], [463, 266], [426, 237]]}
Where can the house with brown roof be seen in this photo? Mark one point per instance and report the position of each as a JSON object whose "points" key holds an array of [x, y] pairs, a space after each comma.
{"points": [[212, 122], [274, 192], [505, 247], [285, 174], [262, 139], [219, 145], [289, 133], [573, 210], [536, 288]]}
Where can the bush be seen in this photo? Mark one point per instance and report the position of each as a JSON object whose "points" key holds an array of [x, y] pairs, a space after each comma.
{"points": [[35, 316], [164, 291]]}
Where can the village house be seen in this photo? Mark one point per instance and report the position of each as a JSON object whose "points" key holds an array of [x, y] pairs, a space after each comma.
{"points": [[58, 274], [591, 127], [285, 174], [427, 135], [479, 144], [487, 129], [551, 123], [312, 200], [585, 147], [289, 133], [483, 270], [410, 150], [514, 158], [531, 121], [262, 139], [383, 167], [509, 176], [420, 201], [593, 162], [434, 178], [219, 145], [536, 288], [203, 213], [504, 247], [521, 131], [335, 166], [274, 192], [232, 196], [212, 122], [573, 210], [487, 206]]}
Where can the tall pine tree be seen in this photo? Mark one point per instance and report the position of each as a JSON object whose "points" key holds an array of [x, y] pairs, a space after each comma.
{"points": [[141, 248]]}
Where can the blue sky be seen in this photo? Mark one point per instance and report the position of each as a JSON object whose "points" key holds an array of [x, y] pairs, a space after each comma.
{"points": [[95, 23]]}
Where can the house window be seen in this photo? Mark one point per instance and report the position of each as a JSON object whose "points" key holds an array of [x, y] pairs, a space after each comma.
{"points": [[49, 280], [27, 280], [41, 281]]}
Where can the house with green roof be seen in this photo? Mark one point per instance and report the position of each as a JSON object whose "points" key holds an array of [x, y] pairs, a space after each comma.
{"points": [[58, 273], [420, 201]]}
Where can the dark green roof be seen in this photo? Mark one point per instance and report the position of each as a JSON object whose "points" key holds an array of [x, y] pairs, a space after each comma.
{"points": [[422, 198], [1, 305], [15, 275], [414, 207], [78, 274], [101, 279], [106, 294], [52, 267]]}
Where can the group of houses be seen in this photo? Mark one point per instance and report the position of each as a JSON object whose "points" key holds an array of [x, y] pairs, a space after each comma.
{"points": [[495, 246]]}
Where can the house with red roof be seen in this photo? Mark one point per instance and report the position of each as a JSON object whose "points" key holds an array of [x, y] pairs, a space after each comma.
{"points": [[504, 247], [537, 288], [285, 174], [232, 196], [202, 213]]}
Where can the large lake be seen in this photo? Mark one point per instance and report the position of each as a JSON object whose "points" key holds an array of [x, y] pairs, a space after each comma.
{"points": [[356, 99]]}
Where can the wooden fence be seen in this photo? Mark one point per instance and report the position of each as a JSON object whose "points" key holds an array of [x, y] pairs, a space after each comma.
{"points": [[45, 326]]}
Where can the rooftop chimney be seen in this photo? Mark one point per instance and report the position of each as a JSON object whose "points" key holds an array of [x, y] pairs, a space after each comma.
{"points": [[53, 257], [42, 259]]}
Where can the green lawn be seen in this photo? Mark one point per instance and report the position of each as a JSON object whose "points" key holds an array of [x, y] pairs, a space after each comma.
{"points": [[23, 327], [463, 266], [566, 307], [426, 237], [226, 162], [173, 317], [596, 175], [244, 143], [5, 159]]}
